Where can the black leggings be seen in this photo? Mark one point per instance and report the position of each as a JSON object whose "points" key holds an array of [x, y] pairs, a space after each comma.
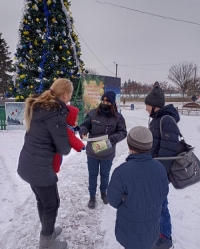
{"points": [[48, 202]]}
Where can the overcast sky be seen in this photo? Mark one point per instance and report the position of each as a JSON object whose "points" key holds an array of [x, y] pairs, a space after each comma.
{"points": [[128, 38]]}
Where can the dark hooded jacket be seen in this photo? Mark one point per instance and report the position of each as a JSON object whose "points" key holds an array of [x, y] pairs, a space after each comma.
{"points": [[166, 145], [137, 189], [98, 124], [46, 137]]}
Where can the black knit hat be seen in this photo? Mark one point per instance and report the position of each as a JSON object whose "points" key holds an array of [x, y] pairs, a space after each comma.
{"points": [[156, 97], [140, 139], [109, 96]]}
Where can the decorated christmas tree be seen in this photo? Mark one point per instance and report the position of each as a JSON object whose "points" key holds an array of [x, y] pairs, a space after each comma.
{"points": [[48, 49], [5, 63]]}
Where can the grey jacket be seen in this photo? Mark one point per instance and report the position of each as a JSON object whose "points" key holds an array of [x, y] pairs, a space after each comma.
{"points": [[97, 125], [47, 136]]}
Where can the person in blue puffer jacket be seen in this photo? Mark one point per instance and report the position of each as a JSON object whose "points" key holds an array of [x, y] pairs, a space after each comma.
{"points": [[163, 146], [137, 190]]}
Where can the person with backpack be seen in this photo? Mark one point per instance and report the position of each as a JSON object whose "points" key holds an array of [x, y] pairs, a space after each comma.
{"points": [[137, 189], [104, 120], [163, 146], [46, 135]]}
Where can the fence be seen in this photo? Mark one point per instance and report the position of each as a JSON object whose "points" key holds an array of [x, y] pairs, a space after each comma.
{"points": [[2, 118]]}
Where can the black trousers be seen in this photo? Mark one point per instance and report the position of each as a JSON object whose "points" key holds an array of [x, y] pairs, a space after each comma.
{"points": [[48, 202]]}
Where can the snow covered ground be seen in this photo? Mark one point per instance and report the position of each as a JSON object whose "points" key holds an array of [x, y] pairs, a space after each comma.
{"points": [[84, 228]]}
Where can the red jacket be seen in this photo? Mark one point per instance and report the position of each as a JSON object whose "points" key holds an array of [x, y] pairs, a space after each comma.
{"points": [[75, 142]]}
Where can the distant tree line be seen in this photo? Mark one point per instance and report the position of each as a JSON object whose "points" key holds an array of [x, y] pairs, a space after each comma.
{"points": [[137, 89]]}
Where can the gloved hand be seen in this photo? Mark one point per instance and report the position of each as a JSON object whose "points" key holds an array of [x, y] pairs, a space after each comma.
{"points": [[76, 128]]}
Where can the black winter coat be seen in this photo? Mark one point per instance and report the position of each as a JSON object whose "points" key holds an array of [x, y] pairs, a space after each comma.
{"points": [[46, 137], [166, 145], [99, 124], [143, 185]]}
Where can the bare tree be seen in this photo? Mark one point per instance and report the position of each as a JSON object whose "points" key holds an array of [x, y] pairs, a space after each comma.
{"points": [[182, 75]]}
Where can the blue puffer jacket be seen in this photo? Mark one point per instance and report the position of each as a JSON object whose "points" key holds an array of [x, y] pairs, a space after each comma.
{"points": [[142, 183], [166, 145]]}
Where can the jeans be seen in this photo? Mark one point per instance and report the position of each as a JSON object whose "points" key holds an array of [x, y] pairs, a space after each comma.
{"points": [[93, 169], [165, 220], [48, 202]]}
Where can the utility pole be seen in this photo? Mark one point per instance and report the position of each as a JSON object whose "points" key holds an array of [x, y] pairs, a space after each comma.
{"points": [[116, 69]]}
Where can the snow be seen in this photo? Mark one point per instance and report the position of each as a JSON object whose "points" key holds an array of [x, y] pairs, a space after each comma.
{"points": [[84, 228]]}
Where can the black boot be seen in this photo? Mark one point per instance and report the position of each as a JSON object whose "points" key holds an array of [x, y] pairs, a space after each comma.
{"points": [[104, 198], [92, 202]]}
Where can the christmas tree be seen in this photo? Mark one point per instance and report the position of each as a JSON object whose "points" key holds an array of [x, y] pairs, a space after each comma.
{"points": [[5, 64], [48, 49]]}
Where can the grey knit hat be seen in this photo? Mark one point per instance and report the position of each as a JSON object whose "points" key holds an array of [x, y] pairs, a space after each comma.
{"points": [[140, 139], [156, 97]]}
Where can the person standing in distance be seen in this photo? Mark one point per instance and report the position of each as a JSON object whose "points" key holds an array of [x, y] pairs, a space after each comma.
{"points": [[46, 135], [163, 146], [104, 120]]}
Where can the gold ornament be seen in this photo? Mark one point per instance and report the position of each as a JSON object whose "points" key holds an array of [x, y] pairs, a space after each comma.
{"points": [[68, 52], [37, 19], [26, 32], [53, 20], [72, 76], [22, 76], [54, 79], [49, 2], [69, 63], [60, 47], [28, 38], [21, 97], [31, 60], [31, 86], [17, 97], [58, 72], [44, 41], [64, 59], [30, 51], [10, 88], [35, 43]]}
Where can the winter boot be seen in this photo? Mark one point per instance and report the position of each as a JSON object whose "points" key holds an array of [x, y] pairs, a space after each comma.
{"points": [[163, 243], [92, 202], [104, 198], [49, 242], [57, 231]]}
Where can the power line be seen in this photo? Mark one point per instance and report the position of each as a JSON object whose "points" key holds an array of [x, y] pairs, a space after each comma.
{"points": [[147, 13], [94, 53]]}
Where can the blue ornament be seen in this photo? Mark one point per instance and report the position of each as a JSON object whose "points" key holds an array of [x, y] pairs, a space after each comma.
{"points": [[25, 80], [55, 33], [24, 46], [54, 5], [51, 65]]}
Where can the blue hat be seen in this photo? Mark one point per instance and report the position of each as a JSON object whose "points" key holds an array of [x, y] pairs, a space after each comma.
{"points": [[109, 96]]}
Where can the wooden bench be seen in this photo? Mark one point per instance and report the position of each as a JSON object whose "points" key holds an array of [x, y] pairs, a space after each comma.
{"points": [[190, 108]]}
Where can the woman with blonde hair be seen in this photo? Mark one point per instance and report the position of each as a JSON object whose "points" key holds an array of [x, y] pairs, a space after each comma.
{"points": [[46, 135]]}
